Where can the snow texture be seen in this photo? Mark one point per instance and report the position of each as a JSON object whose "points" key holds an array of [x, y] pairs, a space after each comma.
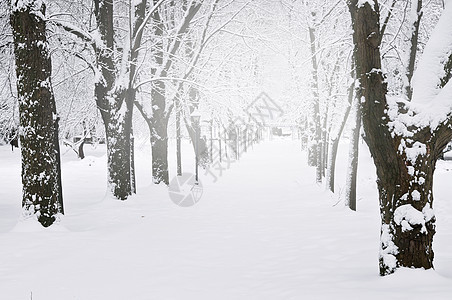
{"points": [[264, 230], [432, 104], [406, 216], [388, 249], [361, 3]]}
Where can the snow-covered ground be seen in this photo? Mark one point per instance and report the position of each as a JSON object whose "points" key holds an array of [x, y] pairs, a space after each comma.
{"points": [[264, 230]]}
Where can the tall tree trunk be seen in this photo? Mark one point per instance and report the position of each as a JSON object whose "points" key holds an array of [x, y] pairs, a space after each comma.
{"points": [[352, 172], [115, 103], [41, 174], [404, 164]]}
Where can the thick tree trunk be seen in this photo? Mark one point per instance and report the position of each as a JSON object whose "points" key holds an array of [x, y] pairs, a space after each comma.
{"points": [[404, 165], [41, 174], [115, 104], [118, 131], [408, 222], [118, 126]]}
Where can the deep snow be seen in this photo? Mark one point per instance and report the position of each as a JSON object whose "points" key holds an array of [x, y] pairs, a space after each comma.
{"points": [[264, 230]]}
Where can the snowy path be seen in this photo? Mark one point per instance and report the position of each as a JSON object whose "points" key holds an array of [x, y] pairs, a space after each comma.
{"points": [[264, 230]]}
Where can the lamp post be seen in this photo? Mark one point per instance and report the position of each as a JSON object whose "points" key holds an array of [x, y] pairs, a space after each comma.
{"points": [[196, 117]]}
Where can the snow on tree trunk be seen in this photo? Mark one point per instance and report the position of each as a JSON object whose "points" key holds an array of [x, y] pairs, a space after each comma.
{"points": [[117, 122], [403, 141], [41, 174], [115, 105], [115, 94]]}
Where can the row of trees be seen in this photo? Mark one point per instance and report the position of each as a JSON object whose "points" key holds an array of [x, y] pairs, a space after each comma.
{"points": [[405, 109], [161, 58], [148, 55]]}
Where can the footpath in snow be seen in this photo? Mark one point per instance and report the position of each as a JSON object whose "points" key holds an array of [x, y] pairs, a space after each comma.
{"points": [[263, 230]]}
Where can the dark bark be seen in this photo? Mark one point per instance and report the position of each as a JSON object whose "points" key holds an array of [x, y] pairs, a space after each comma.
{"points": [[117, 131], [404, 182], [58, 163], [111, 101], [80, 152], [41, 174], [115, 102]]}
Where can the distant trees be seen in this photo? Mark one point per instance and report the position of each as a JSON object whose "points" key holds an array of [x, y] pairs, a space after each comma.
{"points": [[41, 174], [331, 82], [405, 139], [9, 120], [164, 51]]}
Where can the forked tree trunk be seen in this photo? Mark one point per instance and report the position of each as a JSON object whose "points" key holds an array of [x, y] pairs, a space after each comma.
{"points": [[334, 144], [404, 166], [41, 174], [115, 104]]}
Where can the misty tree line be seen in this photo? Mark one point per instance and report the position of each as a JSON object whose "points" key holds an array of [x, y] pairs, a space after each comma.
{"points": [[165, 59]]}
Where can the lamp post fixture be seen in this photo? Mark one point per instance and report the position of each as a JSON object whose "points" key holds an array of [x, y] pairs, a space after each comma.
{"points": [[196, 117]]}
